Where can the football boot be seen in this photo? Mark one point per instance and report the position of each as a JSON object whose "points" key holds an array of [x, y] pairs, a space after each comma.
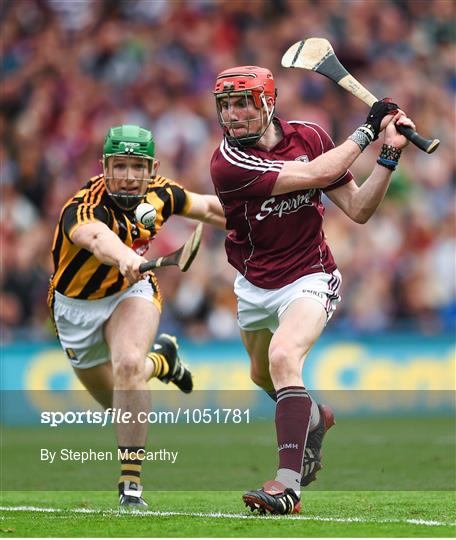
{"points": [[273, 498], [130, 498], [178, 373], [311, 461]]}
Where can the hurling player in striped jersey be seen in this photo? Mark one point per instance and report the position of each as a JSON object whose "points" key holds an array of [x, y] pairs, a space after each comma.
{"points": [[269, 175], [106, 313]]}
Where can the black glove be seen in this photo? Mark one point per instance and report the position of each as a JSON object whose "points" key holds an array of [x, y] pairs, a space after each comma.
{"points": [[378, 111], [370, 130]]}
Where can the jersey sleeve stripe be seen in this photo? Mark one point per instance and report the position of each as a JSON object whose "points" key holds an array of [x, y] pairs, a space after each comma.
{"points": [[171, 198], [310, 124], [339, 178], [95, 199], [97, 193], [251, 166], [187, 205], [234, 157], [255, 158], [166, 210], [333, 184], [78, 217], [238, 154], [319, 136], [85, 206], [159, 181]]}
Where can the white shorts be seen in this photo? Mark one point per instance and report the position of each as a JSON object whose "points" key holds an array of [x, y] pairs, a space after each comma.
{"points": [[262, 308], [80, 323]]}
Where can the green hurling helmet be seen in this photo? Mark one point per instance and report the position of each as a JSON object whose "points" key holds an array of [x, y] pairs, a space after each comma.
{"points": [[129, 139], [131, 142]]}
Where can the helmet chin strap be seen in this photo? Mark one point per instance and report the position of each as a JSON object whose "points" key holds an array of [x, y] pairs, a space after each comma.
{"points": [[126, 202], [123, 200]]}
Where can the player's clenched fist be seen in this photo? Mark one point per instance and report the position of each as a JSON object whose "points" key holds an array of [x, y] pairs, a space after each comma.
{"points": [[392, 136], [129, 266]]}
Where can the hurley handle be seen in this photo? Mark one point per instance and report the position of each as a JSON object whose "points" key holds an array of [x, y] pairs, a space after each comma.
{"points": [[154, 263], [428, 145]]}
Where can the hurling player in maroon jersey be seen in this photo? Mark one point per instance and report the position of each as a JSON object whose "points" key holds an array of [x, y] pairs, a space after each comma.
{"points": [[269, 175]]}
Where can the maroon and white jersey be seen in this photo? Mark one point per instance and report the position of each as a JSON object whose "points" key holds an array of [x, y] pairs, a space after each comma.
{"points": [[273, 239]]}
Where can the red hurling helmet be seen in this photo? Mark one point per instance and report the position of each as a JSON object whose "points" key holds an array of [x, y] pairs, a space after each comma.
{"points": [[256, 79], [247, 81]]}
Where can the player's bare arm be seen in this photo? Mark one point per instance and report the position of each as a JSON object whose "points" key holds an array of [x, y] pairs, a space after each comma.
{"points": [[326, 168], [107, 247], [206, 208], [319, 173], [360, 203]]}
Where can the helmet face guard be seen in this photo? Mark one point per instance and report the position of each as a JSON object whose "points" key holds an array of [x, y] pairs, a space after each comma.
{"points": [[250, 83], [253, 135], [127, 178], [125, 189]]}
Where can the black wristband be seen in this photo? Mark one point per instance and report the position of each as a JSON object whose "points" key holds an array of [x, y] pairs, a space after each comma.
{"points": [[390, 152], [389, 157]]}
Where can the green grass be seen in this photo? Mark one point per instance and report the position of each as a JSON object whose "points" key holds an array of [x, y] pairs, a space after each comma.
{"points": [[379, 474], [325, 514], [362, 454]]}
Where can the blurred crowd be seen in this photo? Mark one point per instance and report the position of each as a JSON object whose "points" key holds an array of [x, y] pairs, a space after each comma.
{"points": [[70, 69]]}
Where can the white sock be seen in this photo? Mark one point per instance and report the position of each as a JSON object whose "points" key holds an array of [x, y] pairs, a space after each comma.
{"points": [[290, 479], [314, 415]]}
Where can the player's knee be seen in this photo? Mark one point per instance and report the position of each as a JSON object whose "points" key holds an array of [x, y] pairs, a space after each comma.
{"points": [[260, 378], [284, 361], [128, 370]]}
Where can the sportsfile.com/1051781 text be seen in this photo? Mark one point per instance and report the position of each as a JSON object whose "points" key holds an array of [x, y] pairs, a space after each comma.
{"points": [[118, 416]]}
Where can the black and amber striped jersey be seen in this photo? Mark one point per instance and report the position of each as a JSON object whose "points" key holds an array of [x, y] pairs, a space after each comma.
{"points": [[77, 272]]}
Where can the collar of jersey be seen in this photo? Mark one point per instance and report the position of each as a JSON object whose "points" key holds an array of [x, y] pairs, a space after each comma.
{"points": [[287, 128]]}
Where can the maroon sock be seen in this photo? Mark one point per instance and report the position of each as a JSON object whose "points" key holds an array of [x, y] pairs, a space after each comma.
{"points": [[292, 424]]}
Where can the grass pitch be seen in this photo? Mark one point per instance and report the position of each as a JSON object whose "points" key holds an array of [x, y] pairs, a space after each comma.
{"points": [[193, 514], [383, 477], [360, 454]]}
